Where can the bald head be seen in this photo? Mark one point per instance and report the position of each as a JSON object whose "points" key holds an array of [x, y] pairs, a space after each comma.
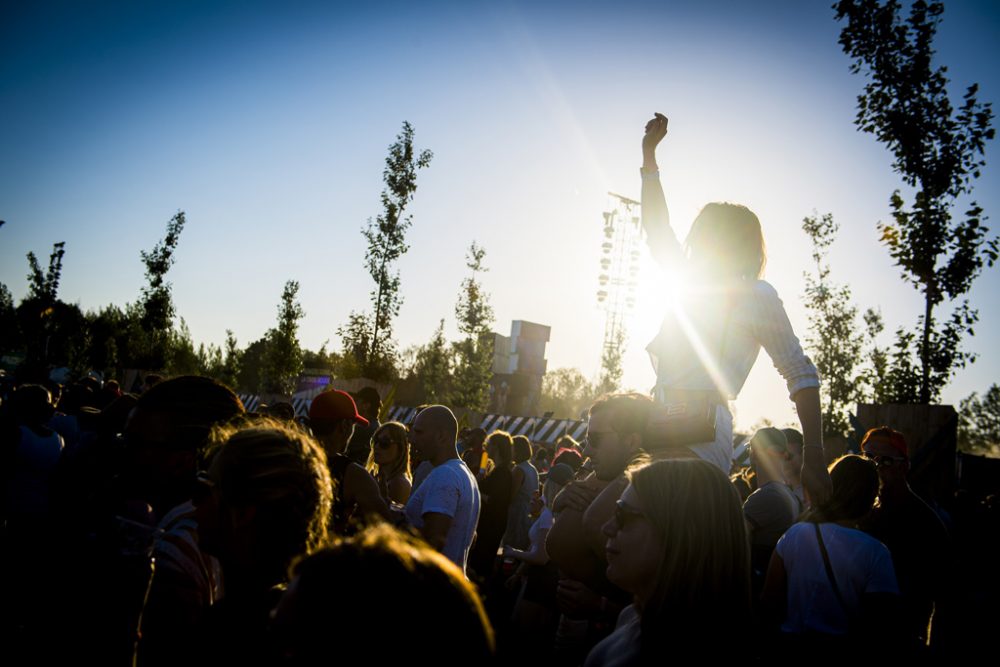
{"points": [[434, 433]]}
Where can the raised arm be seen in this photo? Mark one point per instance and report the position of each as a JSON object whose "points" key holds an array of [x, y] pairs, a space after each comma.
{"points": [[660, 236]]}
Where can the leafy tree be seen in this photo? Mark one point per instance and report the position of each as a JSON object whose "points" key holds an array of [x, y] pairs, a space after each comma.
{"points": [[283, 358], [230, 371], [834, 341], [432, 365], [182, 358], [938, 151], [252, 366], [386, 238], [50, 329], [566, 393], [45, 286], [156, 303], [979, 422], [876, 373], [611, 365], [9, 333], [473, 354]]}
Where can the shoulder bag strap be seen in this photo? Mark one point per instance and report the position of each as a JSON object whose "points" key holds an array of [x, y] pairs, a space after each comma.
{"points": [[829, 569]]}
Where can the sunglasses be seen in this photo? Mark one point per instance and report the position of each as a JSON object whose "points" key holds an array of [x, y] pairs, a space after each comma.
{"points": [[623, 512], [383, 443], [884, 461]]}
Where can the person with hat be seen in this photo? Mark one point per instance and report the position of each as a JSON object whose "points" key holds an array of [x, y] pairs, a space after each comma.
{"points": [[332, 418], [916, 537], [772, 508]]}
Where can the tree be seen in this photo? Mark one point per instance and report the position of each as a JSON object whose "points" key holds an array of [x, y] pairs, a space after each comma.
{"points": [[938, 152], [473, 354], [611, 365], [386, 239], [45, 286], [156, 303], [979, 422], [834, 342], [566, 393], [432, 365], [230, 372], [283, 358], [9, 333], [50, 329], [251, 366]]}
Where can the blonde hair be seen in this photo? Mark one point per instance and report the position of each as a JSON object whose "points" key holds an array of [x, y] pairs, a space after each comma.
{"points": [[397, 432]]}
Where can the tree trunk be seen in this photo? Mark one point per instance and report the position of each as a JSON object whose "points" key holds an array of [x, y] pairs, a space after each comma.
{"points": [[925, 350]]}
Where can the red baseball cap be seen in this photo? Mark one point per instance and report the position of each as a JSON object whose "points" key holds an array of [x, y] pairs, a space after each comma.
{"points": [[888, 436], [335, 404]]}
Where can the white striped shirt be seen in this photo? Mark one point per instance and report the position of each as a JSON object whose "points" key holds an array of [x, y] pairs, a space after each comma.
{"points": [[711, 336]]}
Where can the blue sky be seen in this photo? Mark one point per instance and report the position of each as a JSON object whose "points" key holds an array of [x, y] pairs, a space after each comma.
{"points": [[268, 125]]}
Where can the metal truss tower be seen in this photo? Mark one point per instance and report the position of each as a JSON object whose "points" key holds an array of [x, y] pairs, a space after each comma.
{"points": [[620, 252]]}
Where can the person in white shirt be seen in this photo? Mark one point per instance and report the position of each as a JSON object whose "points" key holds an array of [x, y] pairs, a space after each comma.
{"points": [[445, 507]]}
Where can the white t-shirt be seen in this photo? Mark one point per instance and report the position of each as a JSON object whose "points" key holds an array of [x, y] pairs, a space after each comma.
{"points": [[449, 489], [861, 564]]}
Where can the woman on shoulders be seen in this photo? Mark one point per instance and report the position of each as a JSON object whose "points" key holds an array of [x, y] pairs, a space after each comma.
{"points": [[720, 313]]}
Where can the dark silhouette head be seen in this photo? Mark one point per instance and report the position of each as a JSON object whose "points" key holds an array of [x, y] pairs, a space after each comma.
{"points": [[388, 592]]}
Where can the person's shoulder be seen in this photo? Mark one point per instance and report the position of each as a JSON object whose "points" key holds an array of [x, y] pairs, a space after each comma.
{"points": [[761, 289]]}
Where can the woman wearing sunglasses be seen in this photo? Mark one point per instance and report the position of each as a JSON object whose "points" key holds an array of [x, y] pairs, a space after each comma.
{"points": [[389, 462], [678, 543]]}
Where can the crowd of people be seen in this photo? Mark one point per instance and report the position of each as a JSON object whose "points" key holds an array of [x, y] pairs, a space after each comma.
{"points": [[169, 526], [173, 526]]}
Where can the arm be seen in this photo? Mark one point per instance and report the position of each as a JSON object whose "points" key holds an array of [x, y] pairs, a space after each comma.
{"points": [[536, 555], [663, 245], [517, 479], [815, 477], [774, 332], [360, 487], [599, 513], [399, 489], [435, 530]]}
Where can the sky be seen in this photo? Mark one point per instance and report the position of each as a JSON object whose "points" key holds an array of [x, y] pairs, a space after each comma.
{"points": [[268, 124]]}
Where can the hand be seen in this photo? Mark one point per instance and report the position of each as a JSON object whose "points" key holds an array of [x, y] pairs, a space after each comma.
{"points": [[656, 129], [576, 600], [575, 497]]}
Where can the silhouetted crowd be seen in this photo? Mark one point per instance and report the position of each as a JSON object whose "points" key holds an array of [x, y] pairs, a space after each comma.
{"points": [[172, 527]]}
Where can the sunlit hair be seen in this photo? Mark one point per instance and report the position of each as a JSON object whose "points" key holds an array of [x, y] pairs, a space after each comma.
{"points": [[727, 239], [703, 580], [400, 465], [522, 449], [360, 585], [282, 473], [503, 445], [855, 486]]}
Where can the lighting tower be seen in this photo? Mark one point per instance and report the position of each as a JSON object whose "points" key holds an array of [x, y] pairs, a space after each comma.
{"points": [[619, 269]]}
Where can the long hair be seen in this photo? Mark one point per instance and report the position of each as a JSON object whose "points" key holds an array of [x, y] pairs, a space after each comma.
{"points": [[728, 238], [703, 579], [400, 465]]}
